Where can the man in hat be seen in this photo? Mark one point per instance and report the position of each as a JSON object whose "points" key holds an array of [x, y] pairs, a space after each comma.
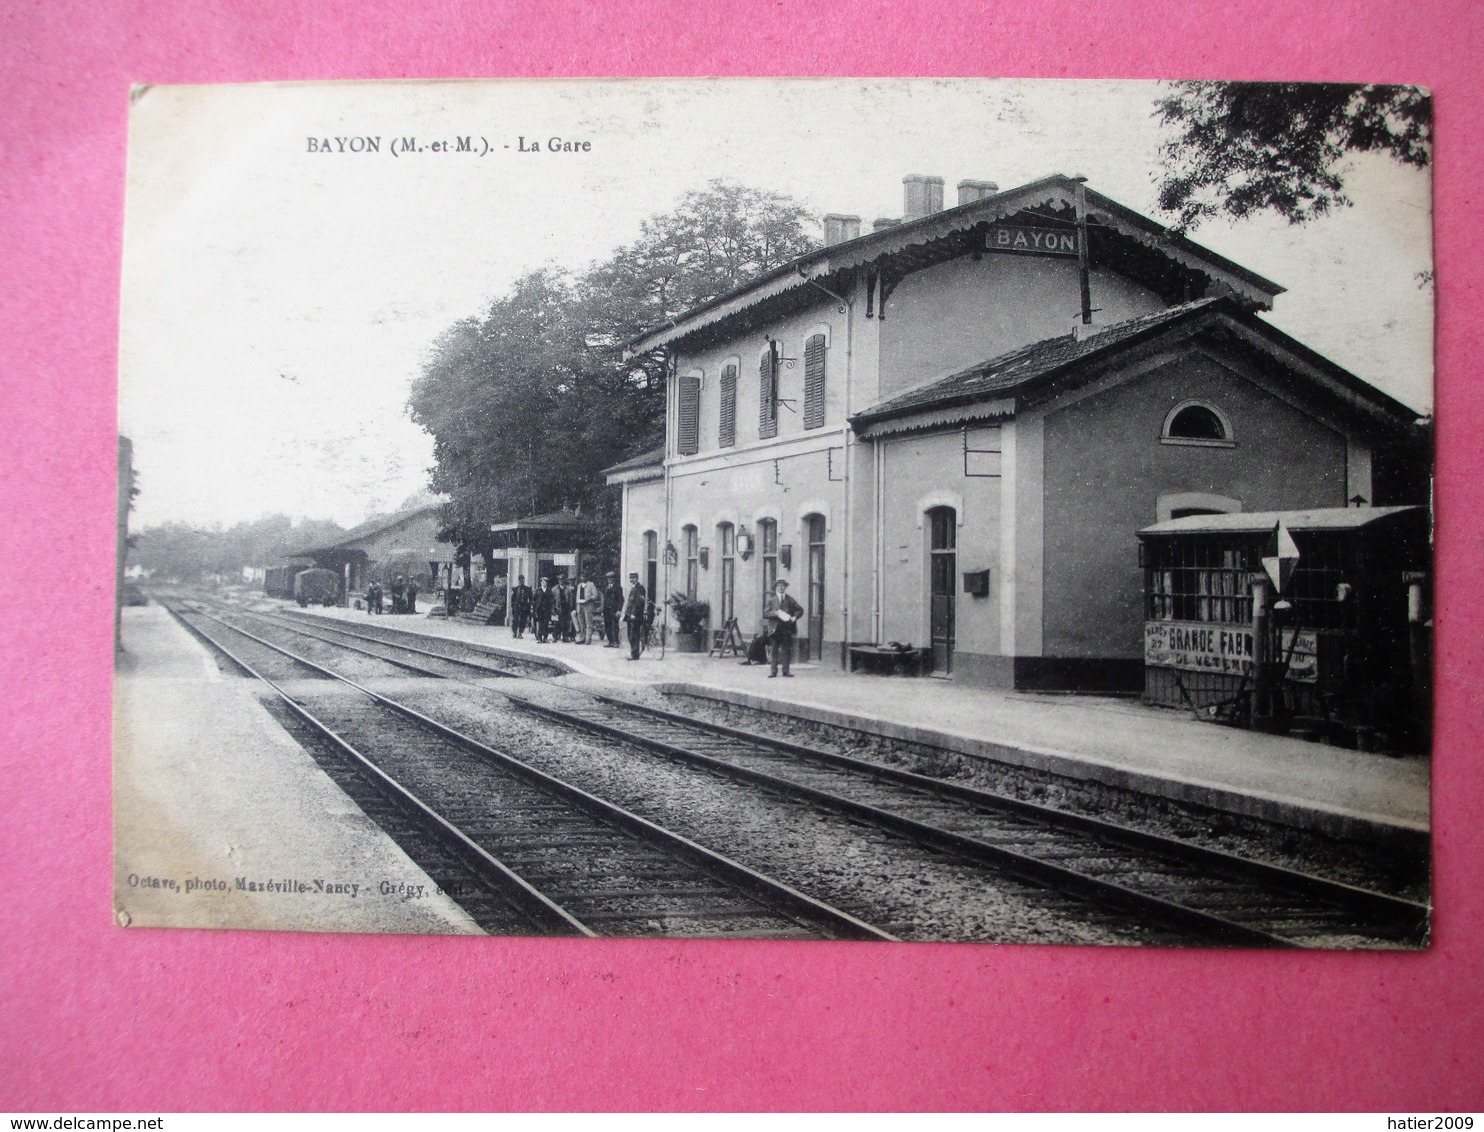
{"points": [[612, 610], [633, 615], [543, 606], [520, 607], [783, 613]]}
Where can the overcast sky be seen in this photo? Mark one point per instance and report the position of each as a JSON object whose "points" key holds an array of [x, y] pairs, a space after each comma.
{"points": [[278, 303]]}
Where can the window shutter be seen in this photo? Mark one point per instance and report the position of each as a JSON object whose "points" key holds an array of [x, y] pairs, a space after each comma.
{"points": [[767, 399], [689, 430], [727, 434], [814, 382]]}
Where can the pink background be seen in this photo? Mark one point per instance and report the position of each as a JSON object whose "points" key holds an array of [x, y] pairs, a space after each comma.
{"points": [[95, 1017]]}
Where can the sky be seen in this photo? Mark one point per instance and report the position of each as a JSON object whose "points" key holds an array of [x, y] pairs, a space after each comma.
{"points": [[280, 294]]}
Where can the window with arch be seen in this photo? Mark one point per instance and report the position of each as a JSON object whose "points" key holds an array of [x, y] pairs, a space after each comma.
{"points": [[767, 541], [1196, 422], [767, 394], [726, 435], [688, 419], [651, 562], [690, 537], [726, 538], [814, 386]]}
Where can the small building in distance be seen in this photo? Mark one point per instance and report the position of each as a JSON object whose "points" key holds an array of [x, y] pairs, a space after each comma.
{"points": [[404, 543], [948, 432]]}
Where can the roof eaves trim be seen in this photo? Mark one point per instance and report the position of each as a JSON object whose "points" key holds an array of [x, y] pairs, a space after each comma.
{"points": [[936, 225], [636, 475], [938, 416]]}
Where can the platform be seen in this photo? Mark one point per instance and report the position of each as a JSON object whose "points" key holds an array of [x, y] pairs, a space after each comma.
{"points": [[1118, 742], [221, 820]]}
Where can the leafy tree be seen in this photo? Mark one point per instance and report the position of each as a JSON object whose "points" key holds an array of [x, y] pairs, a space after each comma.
{"points": [[527, 405], [1239, 148], [188, 553]]}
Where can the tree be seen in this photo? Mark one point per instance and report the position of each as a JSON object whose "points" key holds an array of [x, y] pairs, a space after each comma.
{"points": [[528, 404], [187, 553], [1239, 148]]}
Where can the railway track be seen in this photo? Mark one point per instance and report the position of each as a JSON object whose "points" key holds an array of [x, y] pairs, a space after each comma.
{"points": [[1215, 897], [569, 862]]}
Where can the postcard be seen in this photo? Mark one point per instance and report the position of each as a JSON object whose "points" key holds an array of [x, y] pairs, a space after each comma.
{"points": [[896, 510]]}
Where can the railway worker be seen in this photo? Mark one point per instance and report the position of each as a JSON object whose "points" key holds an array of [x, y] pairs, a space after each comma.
{"points": [[520, 607], [566, 597], [589, 609], [784, 613], [399, 587], [634, 615], [612, 610], [411, 595], [543, 605]]}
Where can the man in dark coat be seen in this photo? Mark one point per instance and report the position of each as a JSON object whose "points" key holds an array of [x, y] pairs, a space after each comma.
{"points": [[520, 606], [543, 607], [399, 587], [783, 613], [612, 610], [411, 595], [633, 615], [566, 603]]}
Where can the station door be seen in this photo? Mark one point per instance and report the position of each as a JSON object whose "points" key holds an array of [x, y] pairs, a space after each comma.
{"points": [[942, 572]]}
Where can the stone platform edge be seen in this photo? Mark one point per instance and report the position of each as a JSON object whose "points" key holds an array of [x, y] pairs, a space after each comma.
{"points": [[1411, 837]]}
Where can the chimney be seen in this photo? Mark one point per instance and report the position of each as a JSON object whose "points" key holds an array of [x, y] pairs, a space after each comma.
{"points": [[921, 195], [970, 191], [838, 228], [882, 222]]}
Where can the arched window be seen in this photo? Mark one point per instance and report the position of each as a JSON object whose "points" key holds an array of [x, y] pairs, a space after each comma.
{"points": [[727, 426], [767, 394], [651, 563], [1196, 422], [767, 538], [814, 381], [692, 543], [726, 537], [688, 416]]}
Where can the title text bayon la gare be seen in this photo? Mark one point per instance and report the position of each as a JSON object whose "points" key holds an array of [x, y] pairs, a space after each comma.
{"points": [[473, 144]]}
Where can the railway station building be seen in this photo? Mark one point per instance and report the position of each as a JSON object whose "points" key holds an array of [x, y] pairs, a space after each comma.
{"points": [[948, 432], [405, 542]]}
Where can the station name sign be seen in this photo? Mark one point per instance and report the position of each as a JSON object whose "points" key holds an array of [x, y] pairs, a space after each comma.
{"points": [[1020, 239], [1200, 646]]}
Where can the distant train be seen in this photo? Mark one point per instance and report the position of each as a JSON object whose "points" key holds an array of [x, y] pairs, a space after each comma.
{"points": [[317, 587], [278, 581], [304, 584]]}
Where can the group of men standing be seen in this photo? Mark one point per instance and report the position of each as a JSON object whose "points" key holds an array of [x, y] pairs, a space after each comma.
{"points": [[403, 592], [573, 613], [564, 612]]}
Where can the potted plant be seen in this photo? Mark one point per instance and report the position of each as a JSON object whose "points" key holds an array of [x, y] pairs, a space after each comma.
{"points": [[691, 615]]}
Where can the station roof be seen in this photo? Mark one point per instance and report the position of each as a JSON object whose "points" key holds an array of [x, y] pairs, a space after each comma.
{"points": [[1043, 369], [370, 528], [1261, 522], [647, 465], [548, 521], [915, 243]]}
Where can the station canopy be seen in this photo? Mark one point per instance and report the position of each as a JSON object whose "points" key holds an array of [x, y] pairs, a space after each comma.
{"points": [[553, 530], [1260, 522]]}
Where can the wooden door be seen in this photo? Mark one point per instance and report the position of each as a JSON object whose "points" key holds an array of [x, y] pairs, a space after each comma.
{"points": [[942, 588], [814, 643]]}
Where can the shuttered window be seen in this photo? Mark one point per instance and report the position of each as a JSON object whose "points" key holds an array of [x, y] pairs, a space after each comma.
{"points": [[814, 382], [767, 397], [727, 433], [688, 432]]}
